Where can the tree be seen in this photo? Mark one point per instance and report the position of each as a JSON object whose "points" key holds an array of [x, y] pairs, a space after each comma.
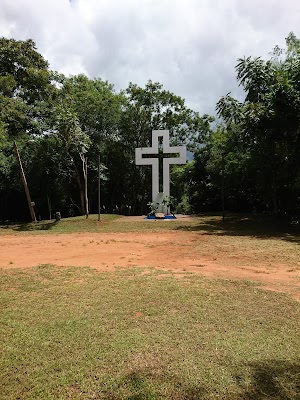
{"points": [[98, 111], [25, 87], [146, 109], [50, 173], [76, 144], [26, 96], [268, 122]]}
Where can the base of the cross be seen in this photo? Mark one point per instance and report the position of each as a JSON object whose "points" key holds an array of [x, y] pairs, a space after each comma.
{"points": [[159, 216], [170, 216], [158, 201]]}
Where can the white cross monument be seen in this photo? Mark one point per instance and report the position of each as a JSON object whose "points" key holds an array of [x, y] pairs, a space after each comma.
{"points": [[157, 196]]}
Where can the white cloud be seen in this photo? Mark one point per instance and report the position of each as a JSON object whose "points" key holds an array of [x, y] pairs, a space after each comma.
{"points": [[190, 46]]}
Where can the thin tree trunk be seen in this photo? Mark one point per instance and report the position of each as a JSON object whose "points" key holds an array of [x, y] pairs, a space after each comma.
{"points": [[81, 191], [30, 203], [49, 206], [86, 190], [223, 191], [274, 194], [84, 169], [99, 203]]}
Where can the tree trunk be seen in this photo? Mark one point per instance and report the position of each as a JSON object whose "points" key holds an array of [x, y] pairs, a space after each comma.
{"points": [[274, 194], [223, 191], [84, 169], [49, 206], [30, 203], [81, 191]]}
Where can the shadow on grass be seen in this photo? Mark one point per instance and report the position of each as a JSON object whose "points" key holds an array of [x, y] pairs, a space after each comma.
{"points": [[144, 385], [30, 226], [274, 379], [246, 225]]}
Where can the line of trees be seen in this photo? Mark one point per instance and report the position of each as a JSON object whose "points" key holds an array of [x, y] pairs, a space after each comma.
{"points": [[63, 124]]}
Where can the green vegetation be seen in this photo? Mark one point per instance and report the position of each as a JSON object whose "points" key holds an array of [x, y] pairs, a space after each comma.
{"points": [[72, 333], [63, 124], [235, 224]]}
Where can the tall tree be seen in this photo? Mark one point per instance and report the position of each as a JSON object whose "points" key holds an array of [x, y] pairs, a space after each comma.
{"points": [[146, 109], [25, 87], [98, 111], [269, 121], [76, 144], [25, 91]]}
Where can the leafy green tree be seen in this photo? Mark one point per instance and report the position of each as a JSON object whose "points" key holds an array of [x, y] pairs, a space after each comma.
{"points": [[26, 96], [25, 87], [96, 104], [76, 144], [146, 109], [153, 108], [268, 123], [98, 111]]}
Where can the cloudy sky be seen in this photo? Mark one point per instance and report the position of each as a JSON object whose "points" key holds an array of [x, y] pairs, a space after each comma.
{"points": [[190, 46]]}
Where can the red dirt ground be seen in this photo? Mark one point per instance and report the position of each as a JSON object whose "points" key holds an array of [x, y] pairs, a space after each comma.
{"points": [[177, 252]]}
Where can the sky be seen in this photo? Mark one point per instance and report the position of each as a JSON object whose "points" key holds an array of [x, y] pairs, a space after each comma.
{"points": [[189, 46]]}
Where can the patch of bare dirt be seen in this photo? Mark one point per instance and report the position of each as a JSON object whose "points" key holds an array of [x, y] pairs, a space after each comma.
{"points": [[176, 252]]}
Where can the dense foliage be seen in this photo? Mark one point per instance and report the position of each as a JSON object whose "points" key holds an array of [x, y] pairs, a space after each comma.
{"points": [[68, 127], [256, 145]]}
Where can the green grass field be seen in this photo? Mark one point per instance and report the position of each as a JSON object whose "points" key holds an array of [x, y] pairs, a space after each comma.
{"points": [[75, 333], [235, 224]]}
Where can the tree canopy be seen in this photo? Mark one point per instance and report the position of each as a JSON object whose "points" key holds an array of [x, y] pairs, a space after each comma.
{"points": [[266, 124]]}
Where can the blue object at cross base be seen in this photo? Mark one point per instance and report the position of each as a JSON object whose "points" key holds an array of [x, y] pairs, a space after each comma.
{"points": [[165, 217]]}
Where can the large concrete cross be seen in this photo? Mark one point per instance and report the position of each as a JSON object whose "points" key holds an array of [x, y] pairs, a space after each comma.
{"points": [[158, 196]]}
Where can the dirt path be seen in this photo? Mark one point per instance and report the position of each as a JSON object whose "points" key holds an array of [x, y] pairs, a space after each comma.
{"points": [[266, 262]]}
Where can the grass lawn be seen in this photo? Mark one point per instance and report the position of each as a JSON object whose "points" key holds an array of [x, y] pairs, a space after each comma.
{"points": [[235, 225], [75, 333]]}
